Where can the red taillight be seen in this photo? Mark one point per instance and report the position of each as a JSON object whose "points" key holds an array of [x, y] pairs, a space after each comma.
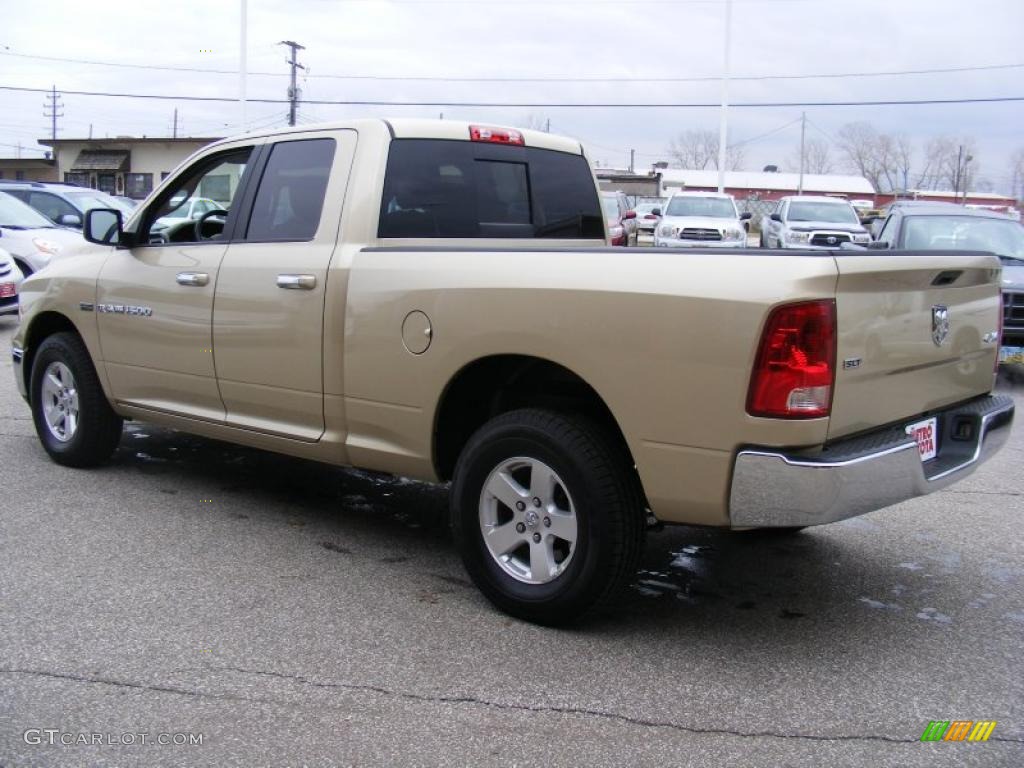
{"points": [[796, 362], [496, 135], [651, 216]]}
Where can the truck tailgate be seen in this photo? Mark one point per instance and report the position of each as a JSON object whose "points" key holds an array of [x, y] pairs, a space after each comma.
{"points": [[889, 366]]}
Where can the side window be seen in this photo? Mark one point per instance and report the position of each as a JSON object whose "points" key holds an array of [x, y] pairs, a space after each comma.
{"points": [[290, 197], [888, 232], [51, 206], [138, 185], [168, 221]]}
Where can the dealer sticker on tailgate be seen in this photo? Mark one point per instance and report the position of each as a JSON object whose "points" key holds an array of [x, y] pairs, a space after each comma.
{"points": [[925, 432]]}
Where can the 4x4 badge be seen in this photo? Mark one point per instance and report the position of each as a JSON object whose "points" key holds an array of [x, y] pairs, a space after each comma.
{"points": [[940, 324]]}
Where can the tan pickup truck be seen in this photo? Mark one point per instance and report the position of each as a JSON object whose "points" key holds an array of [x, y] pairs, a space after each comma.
{"points": [[436, 299]]}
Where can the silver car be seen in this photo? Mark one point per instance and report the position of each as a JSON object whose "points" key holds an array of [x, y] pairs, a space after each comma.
{"points": [[31, 238]]}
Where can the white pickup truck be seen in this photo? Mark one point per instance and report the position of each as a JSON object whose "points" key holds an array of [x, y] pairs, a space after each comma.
{"points": [[436, 299], [810, 223]]}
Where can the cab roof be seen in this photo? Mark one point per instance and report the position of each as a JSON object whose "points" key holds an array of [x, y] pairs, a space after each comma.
{"points": [[419, 128]]}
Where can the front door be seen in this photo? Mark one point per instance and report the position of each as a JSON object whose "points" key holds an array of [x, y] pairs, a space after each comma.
{"points": [[269, 312], [105, 183], [155, 301]]}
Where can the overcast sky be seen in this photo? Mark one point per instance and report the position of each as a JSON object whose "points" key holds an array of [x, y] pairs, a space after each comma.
{"points": [[624, 39]]}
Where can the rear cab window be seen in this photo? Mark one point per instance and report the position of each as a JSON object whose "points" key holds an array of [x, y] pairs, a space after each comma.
{"points": [[439, 188]]}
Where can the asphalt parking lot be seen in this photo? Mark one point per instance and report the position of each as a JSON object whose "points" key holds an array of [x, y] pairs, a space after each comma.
{"points": [[296, 614]]}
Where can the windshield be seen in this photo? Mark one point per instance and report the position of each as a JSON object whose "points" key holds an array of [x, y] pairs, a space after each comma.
{"points": [[180, 212], [711, 207], [611, 207], [644, 208], [18, 215], [86, 201], [965, 233], [838, 213]]}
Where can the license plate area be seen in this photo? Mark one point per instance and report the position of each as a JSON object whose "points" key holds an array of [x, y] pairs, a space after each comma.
{"points": [[926, 433]]}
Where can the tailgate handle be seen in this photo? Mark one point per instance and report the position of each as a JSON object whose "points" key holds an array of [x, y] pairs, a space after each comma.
{"points": [[297, 282], [948, 277]]}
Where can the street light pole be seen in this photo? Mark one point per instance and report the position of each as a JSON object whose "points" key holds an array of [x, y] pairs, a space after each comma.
{"points": [[723, 127], [242, 68], [803, 133]]}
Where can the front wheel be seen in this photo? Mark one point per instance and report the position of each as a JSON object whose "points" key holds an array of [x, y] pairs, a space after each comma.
{"points": [[547, 514], [73, 419]]}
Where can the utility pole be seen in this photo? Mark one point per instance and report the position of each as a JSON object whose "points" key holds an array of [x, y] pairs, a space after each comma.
{"points": [[293, 90], [723, 127], [547, 126], [956, 176], [632, 159], [803, 162], [174, 131], [50, 111]]}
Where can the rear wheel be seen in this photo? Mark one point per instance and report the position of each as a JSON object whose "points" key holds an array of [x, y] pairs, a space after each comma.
{"points": [[73, 419], [547, 515]]}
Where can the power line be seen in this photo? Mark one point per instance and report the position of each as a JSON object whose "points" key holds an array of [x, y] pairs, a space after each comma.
{"points": [[764, 135], [538, 105], [556, 79]]}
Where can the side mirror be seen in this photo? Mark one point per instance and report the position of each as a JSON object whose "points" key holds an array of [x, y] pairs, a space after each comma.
{"points": [[776, 217], [656, 212], [878, 245], [746, 216], [103, 226], [629, 215], [70, 220]]}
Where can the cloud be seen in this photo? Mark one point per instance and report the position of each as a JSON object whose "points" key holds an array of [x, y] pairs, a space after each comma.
{"points": [[529, 39]]}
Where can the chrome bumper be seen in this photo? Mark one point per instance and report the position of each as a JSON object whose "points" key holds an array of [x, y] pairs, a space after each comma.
{"points": [[851, 477], [17, 361]]}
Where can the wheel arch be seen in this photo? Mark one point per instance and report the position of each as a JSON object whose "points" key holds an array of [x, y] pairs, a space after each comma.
{"points": [[492, 385], [41, 326]]}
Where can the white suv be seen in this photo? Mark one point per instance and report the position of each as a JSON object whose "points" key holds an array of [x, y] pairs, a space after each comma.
{"points": [[701, 219]]}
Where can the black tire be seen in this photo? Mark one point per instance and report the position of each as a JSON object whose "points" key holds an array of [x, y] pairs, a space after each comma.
{"points": [[98, 428], [597, 475], [763, 243]]}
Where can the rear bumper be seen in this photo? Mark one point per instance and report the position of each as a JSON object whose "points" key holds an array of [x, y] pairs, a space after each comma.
{"points": [[772, 489]]}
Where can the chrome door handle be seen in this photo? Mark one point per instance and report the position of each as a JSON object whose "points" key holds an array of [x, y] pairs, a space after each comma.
{"points": [[297, 282], [193, 278]]}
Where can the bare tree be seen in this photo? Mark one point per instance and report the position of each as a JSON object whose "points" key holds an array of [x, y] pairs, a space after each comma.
{"points": [[698, 150], [859, 144], [536, 122], [817, 157], [1017, 174], [959, 164]]}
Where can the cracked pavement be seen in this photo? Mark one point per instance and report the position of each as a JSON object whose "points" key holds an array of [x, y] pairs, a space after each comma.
{"points": [[297, 614]]}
